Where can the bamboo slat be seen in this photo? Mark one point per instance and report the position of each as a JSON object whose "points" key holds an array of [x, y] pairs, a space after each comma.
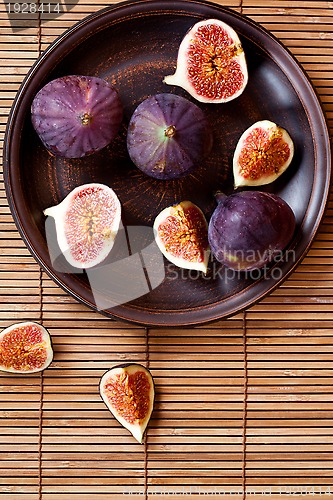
{"points": [[246, 401]]}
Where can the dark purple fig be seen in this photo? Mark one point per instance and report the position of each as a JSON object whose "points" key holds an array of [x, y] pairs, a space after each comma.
{"points": [[75, 116], [249, 229], [168, 136]]}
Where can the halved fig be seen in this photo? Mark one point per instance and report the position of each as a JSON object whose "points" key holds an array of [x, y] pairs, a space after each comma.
{"points": [[168, 136], [25, 348], [211, 64], [263, 153], [181, 233], [128, 391], [87, 222], [76, 115]]}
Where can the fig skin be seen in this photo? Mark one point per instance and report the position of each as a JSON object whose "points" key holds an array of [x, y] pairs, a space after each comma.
{"points": [[127, 398], [263, 152], [186, 244], [75, 116], [168, 136], [211, 64], [248, 229], [87, 223], [25, 348]]}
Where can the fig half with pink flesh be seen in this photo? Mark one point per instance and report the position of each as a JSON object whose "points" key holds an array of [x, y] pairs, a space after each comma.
{"points": [[181, 233], [128, 392], [263, 153], [211, 64], [25, 348], [76, 115], [87, 222]]}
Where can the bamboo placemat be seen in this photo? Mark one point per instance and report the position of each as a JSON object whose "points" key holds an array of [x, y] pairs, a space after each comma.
{"points": [[243, 402]]}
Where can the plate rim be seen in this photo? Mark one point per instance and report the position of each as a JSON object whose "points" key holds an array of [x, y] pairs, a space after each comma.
{"points": [[174, 318]]}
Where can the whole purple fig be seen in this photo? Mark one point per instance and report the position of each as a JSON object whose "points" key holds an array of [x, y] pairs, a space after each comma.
{"points": [[249, 229], [75, 116], [168, 136]]}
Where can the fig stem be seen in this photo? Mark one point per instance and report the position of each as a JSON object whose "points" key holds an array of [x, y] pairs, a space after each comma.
{"points": [[85, 119], [170, 131], [219, 196]]}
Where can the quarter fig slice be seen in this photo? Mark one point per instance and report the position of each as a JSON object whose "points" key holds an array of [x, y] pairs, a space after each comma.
{"points": [[211, 64], [76, 115], [181, 233], [25, 348], [128, 391], [168, 136], [263, 152], [87, 222]]}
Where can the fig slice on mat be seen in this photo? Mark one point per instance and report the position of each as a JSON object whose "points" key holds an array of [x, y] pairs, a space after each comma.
{"points": [[181, 233], [211, 64], [87, 222], [128, 391], [25, 348], [263, 153]]}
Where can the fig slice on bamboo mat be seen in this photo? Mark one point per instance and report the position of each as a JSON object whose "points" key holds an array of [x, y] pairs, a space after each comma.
{"points": [[25, 348], [128, 391]]}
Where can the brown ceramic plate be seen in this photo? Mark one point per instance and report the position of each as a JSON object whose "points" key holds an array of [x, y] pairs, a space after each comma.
{"points": [[134, 45]]}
